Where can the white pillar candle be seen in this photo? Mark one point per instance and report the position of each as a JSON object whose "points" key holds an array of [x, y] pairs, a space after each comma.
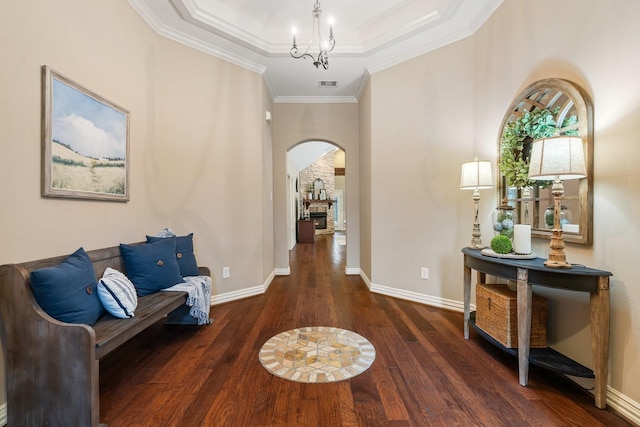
{"points": [[522, 239]]}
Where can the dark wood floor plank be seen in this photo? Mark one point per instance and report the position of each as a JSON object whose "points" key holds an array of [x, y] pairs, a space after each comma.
{"points": [[425, 372], [390, 399]]}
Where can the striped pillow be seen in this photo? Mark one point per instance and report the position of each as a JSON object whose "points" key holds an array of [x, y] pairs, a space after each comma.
{"points": [[117, 293]]}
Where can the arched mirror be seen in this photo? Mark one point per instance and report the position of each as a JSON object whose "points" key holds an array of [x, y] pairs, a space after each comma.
{"points": [[318, 188], [547, 107]]}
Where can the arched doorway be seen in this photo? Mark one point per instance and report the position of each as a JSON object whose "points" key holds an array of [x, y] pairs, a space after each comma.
{"points": [[322, 163]]}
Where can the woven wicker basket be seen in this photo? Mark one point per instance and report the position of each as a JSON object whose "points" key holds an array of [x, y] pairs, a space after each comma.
{"points": [[497, 315]]}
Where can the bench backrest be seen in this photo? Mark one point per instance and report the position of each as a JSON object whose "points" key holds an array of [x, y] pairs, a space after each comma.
{"points": [[100, 258]]}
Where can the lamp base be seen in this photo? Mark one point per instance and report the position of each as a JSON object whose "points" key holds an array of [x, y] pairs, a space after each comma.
{"points": [[476, 242], [556, 264], [557, 257]]}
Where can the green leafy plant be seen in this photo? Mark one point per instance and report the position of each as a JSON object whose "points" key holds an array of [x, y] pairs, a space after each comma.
{"points": [[501, 244], [517, 137]]}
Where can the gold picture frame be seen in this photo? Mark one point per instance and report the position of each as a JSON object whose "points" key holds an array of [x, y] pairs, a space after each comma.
{"points": [[85, 142]]}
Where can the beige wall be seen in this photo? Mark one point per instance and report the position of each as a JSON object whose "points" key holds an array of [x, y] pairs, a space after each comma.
{"points": [[597, 45], [296, 123], [366, 119], [268, 265], [453, 101], [201, 152], [416, 152], [200, 149]]}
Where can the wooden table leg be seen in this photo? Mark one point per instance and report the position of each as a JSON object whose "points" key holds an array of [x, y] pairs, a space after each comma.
{"points": [[524, 324], [599, 305], [467, 300]]}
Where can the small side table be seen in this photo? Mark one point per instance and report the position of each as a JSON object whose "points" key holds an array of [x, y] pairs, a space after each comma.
{"points": [[306, 231], [534, 272]]}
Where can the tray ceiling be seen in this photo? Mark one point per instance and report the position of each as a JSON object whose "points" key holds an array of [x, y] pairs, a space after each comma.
{"points": [[370, 36]]}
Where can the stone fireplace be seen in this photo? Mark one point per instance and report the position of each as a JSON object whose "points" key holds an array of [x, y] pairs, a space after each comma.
{"points": [[320, 211]]}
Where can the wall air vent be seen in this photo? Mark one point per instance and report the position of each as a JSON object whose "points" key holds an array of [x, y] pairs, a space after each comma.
{"points": [[327, 83]]}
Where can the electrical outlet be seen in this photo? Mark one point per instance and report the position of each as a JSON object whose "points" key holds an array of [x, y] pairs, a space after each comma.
{"points": [[226, 272], [424, 273]]}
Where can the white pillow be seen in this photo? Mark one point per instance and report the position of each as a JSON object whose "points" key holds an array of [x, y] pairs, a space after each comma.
{"points": [[117, 293]]}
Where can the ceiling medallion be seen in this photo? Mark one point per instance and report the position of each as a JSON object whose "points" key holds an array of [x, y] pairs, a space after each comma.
{"points": [[324, 47]]}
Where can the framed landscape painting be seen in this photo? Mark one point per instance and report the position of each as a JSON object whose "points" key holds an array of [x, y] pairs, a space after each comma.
{"points": [[85, 142]]}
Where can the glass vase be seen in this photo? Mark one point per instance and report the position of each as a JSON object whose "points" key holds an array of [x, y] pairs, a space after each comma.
{"points": [[504, 218]]}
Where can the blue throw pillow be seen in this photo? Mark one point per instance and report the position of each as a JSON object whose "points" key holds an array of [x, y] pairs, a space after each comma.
{"points": [[117, 293], [68, 291], [152, 266], [184, 253]]}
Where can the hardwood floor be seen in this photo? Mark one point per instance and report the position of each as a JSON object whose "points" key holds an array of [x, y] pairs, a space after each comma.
{"points": [[425, 373]]}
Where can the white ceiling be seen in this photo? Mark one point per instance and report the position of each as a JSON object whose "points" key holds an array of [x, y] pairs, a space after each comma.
{"points": [[370, 36], [306, 154]]}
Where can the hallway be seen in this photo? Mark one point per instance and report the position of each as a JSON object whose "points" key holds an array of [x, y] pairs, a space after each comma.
{"points": [[424, 374]]}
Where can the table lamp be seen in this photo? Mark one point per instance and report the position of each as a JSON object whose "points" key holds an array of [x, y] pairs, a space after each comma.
{"points": [[557, 158], [476, 175]]}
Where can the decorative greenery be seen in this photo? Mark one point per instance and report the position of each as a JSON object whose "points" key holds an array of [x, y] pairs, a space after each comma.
{"points": [[532, 125], [501, 244]]}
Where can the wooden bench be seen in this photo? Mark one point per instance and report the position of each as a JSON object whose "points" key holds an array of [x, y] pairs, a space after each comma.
{"points": [[52, 367]]}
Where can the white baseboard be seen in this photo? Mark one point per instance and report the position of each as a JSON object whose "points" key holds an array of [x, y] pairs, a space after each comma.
{"points": [[282, 271], [269, 280], [617, 401], [243, 293], [628, 408], [351, 271], [419, 298], [366, 279], [236, 295]]}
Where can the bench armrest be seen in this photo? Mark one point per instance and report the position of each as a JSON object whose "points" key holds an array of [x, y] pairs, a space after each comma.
{"points": [[45, 359]]}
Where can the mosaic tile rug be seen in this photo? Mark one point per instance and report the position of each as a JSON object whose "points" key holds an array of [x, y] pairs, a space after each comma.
{"points": [[318, 354]]}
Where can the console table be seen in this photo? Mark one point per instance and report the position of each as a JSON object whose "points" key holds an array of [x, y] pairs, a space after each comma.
{"points": [[533, 272]]}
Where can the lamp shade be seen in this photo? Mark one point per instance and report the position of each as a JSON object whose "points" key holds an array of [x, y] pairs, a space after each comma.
{"points": [[476, 175], [559, 156]]}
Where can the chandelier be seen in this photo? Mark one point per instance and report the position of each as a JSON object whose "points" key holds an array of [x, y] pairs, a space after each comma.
{"points": [[324, 47]]}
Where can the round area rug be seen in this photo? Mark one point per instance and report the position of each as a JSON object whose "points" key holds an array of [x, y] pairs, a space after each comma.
{"points": [[318, 354]]}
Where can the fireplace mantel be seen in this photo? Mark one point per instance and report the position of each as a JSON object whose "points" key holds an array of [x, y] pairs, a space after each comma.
{"points": [[308, 202]]}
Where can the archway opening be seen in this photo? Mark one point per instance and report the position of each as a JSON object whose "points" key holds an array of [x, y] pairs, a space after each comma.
{"points": [[316, 188]]}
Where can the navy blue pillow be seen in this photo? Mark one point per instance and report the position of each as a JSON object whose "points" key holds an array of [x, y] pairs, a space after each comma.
{"points": [[68, 291], [184, 253], [153, 266]]}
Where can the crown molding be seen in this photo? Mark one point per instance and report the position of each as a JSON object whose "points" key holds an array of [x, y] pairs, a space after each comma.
{"points": [[152, 20]]}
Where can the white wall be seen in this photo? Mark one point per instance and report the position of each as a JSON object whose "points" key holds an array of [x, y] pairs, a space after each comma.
{"points": [[453, 101]]}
